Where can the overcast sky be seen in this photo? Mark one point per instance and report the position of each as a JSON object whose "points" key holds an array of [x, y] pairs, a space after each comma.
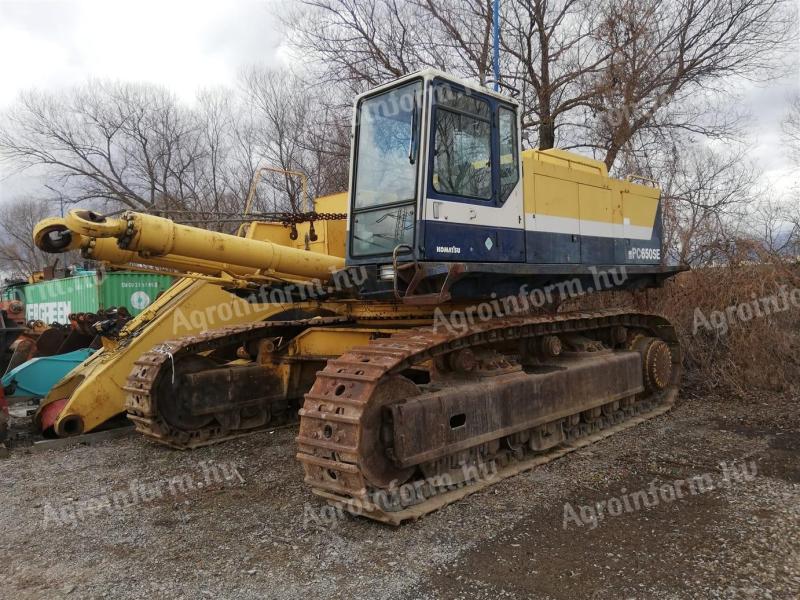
{"points": [[186, 45], [181, 44]]}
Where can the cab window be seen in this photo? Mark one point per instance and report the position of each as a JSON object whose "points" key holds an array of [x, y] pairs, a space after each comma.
{"points": [[509, 159], [385, 172], [462, 146]]}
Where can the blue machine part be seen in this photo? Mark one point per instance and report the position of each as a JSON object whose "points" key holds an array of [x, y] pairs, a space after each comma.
{"points": [[36, 377]]}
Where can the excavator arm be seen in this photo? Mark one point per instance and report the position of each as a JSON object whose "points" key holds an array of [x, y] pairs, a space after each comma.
{"points": [[160, 242], [93, 392]]}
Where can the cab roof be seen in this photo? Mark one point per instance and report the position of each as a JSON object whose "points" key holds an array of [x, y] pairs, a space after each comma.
{"points": [[430, 74]]}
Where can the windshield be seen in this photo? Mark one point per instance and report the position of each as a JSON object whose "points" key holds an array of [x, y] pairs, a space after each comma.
{"points": [[384, 200], [388, 135], [381, 231]]}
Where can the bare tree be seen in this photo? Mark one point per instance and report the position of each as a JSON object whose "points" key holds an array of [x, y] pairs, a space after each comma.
{"points": [[608, 76], [555, 58], [669, 57], [791, 127], [128, 144], [224, 161], [365, 43], [292, 129], [132, 146], [776, 225], [19, 257], [706, 195]]}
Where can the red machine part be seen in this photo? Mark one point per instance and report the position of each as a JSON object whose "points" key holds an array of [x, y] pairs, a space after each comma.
{"points": [[14, 311], [49, 414], [3, 415]]}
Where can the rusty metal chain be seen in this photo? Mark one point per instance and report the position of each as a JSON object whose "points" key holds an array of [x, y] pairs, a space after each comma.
{"points": [[291, 220]]}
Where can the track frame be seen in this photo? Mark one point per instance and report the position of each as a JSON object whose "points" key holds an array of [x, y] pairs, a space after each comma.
{"points": [[337, 426]]}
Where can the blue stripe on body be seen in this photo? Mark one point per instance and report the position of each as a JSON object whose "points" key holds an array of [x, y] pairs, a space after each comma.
{"points": [[455, 242]]}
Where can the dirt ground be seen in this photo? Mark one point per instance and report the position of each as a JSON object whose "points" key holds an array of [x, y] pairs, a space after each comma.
{"points": [[129, 519]]}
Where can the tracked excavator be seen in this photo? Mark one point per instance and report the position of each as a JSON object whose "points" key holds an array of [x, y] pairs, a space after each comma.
{"points": [[419, 339]]}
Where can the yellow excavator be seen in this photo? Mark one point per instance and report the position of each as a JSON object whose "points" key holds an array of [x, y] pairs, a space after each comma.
{"points": [[419, 339]]}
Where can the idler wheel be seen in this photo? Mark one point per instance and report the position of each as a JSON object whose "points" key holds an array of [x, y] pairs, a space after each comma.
{"points": [[656, 361]]}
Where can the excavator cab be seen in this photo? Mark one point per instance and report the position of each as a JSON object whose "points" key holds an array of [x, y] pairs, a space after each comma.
{"points": [[435, 173], [439, 206]]}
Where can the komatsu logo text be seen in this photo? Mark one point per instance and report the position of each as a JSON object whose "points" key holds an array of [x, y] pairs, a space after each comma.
{"points": [[448, 249]]}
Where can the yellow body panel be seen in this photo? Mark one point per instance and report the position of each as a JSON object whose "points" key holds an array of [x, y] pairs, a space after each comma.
{"points": [[330, 342], [568, 186], [330, 234], [551, 196], [639, 204], [595, 203]]}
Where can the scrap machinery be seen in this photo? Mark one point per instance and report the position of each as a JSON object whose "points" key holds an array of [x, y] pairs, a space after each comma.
{"points": [[409, 337]]}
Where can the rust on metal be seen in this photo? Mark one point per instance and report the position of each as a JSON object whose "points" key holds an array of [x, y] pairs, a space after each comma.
{"points": [[462, 416], [182, 399], [366, 428]]}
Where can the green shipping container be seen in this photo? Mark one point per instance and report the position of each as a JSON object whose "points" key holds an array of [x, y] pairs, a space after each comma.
{"points": [[12, 293], [53, 301]]}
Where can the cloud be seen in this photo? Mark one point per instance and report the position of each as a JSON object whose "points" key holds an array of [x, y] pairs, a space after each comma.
{"points": [[183, 45], [768, 107]]}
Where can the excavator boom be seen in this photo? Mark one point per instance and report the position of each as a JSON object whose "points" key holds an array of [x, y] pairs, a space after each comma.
{"points": [[93, 393], [154, 237]]}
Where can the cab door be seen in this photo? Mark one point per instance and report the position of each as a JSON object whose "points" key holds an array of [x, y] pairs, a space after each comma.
{"points": [[473, 198]]}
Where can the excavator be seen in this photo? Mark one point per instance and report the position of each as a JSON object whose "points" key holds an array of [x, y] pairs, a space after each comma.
{"points": [[421, 339]]}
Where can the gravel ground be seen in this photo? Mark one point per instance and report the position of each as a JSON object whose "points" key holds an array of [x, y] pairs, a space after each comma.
{"points": [[236, 521]]}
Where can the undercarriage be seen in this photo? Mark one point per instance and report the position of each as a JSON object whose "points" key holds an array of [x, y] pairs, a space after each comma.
{"points": [[402, 421], [403, 426]]}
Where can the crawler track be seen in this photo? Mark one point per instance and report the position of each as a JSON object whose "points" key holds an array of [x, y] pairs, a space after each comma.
{"points": [[144, 405], [340, 442]]}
